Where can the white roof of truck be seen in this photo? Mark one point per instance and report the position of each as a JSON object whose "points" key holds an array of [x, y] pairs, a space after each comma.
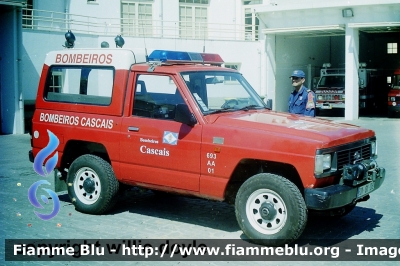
{"points": [[118, 58]]}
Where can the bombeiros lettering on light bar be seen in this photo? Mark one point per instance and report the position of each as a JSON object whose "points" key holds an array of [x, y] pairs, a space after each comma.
{"points": [[179, 57]]}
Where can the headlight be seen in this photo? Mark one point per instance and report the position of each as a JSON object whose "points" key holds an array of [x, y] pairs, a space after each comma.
{"points": [[322, 162], [392, 99], [374, 148]]}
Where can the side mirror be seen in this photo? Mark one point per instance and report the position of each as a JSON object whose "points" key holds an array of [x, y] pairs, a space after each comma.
{"points": [[269, 104], [183, 115]]}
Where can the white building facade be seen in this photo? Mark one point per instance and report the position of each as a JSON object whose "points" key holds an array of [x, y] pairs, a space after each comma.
{"points": [[265, 40]]}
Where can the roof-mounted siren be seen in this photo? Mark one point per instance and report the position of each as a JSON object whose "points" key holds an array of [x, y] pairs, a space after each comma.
{"points": [[363, 65], [104, 44], [179, 57], [69, 39], [119, 41], [326, 65], [324, 69], [165, 56], [212, 59]]}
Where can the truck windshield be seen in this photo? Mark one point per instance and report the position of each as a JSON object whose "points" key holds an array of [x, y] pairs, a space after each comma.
{"points": [[332, 82], [396, 82], [221, 91]]}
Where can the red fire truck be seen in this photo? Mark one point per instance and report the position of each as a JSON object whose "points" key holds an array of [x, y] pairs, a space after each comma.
{"points": [[330, 88], [330, 91], [178, 122]]}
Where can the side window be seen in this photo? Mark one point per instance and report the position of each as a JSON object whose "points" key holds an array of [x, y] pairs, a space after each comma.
{"points": [[156, 97], [82, 85]]}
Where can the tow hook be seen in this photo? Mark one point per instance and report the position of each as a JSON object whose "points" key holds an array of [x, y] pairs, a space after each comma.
{"points": [[355, 174], [364, 198]]}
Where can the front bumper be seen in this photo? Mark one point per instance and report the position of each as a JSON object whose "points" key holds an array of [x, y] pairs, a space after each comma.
{"points": [[343, 194], [328, 106], [394, 108]]}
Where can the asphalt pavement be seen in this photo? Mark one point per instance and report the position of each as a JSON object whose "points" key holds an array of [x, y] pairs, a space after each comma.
{"points": [[142, 214]]}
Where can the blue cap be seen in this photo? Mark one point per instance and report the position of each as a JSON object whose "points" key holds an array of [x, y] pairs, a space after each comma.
{"points": [[298, 74]]}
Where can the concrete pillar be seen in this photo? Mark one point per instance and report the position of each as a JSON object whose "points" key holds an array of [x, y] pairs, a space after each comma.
{"points": [[351, 62], [309, 76], [263, 69], [11, 100], [20, 114], [270, 67]]}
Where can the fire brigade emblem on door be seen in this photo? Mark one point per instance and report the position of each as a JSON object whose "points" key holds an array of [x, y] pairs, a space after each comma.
{"points": [[170, 138]]}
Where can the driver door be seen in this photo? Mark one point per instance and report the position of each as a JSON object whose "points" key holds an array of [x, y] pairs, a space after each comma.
{"points": [[155, 149]]}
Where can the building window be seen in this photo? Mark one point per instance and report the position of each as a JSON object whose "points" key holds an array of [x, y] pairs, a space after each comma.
{"points": [[236, 66], [193, 19], [56, 81], [392, 48], [27, 15], [254, 2], [204, 2], [251, 21], [251, 25], [137, 18]]}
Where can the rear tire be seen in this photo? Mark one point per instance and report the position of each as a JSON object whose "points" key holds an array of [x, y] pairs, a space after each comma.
{"points": [[270, 210], [92, 185]]}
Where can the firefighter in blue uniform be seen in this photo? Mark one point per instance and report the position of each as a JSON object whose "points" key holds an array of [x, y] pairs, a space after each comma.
{"points": [[302, 100]]}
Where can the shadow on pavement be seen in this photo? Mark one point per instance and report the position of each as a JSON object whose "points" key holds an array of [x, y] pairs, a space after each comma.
{"points": [[196, 211], [325, 231]]}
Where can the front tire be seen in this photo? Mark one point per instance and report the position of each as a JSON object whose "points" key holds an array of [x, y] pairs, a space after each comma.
{"points": [[92, 185], [270, 210]]}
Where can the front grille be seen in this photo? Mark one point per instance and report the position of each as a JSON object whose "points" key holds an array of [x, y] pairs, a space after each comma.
{"points": [[330, 97], [349, 153], [349, 156], [396, 99]]}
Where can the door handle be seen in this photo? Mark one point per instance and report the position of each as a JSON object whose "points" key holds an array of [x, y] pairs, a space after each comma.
{"points": [[135, 129]]}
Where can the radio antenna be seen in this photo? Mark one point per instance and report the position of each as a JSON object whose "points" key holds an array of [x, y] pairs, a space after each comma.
{"points": [[204, 43], [144, 40]]}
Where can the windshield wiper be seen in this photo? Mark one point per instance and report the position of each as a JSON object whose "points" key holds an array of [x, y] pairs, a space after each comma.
{"points": [[250, 107], [222, 110], [230, 109]]}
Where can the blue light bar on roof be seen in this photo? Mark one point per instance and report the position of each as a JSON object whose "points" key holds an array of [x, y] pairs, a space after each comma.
{"points": [[181, 57]]}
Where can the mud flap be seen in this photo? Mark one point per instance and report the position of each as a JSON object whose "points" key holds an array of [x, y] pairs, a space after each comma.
{"points": [[60, 183]]}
